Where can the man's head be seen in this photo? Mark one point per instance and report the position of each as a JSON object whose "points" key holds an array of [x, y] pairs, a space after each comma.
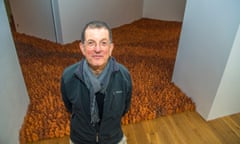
{"points": [[96, 24], [96, 44]]}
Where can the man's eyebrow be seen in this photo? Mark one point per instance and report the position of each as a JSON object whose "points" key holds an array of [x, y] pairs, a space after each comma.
{"points": [[100, 40]]}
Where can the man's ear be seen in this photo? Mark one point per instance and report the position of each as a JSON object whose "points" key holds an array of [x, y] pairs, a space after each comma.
{"points": [[111, 49], [82, 48]]}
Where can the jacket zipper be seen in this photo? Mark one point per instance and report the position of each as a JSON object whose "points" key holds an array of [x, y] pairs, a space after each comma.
{"points": [[97, 133], [97, 137]]}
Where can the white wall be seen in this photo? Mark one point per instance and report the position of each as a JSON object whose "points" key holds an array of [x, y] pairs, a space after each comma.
{"points": [[14, 97], [171, 10], [74, 14], [227, 100], [208, 32], [62, 20], [34, 18]]}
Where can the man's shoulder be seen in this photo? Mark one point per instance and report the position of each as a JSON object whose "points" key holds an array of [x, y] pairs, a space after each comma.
{"points": [[70, 70], [124, 71], [123, 68], [119, 66]]}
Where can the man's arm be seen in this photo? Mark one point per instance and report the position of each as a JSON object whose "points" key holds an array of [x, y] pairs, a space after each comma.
{"points": [[65, 99], [129, 95]]}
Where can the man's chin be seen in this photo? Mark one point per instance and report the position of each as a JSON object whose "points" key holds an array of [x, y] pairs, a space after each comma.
{"points": [[97, 65]]}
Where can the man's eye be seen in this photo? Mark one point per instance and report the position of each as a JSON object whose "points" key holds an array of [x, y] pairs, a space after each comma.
{"points": [[104, 43], [90, 43]]}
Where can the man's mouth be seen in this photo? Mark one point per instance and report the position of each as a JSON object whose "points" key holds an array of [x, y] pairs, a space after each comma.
{"points": [[97, 56]]}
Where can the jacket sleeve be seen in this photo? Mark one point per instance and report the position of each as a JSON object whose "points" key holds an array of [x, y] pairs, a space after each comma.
{"points": [[65, 99], [129, 94]]}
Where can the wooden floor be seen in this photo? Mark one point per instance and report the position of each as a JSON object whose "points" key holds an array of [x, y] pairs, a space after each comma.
{"points": [[182, 128]]}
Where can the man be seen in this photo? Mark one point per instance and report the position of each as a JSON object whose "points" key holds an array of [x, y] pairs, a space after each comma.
{"points": [[97, 90]]}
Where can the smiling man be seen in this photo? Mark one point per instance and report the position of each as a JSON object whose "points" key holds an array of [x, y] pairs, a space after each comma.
{"points": [[97, 90]]}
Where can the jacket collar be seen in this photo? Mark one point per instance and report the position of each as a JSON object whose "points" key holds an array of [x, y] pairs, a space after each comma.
{"points": [[79, 71]]}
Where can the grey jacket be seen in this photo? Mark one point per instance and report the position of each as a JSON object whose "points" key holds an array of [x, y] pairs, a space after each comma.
{"points": [[117, 101]]}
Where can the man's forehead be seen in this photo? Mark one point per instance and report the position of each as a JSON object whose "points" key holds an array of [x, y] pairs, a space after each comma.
{"points": [[96, 28], [97, 32]]}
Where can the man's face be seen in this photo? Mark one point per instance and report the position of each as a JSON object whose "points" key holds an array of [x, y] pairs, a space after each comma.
{"points": [[97, 47]]}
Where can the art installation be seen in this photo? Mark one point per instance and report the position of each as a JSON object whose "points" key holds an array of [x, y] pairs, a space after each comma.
{"points": [[146, 47]]}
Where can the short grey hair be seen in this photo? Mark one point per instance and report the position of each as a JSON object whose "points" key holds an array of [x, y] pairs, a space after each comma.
{"points": [[96, 24]]}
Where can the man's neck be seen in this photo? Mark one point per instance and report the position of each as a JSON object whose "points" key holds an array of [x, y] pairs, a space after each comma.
{"points": [[97, 70]]}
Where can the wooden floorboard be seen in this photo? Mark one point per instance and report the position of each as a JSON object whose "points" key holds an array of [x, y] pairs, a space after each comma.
{"points": [[227, 129], [182, 128]]}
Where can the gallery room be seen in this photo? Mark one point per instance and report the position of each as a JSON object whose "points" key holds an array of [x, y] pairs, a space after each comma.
{"points": [[182, 56]]}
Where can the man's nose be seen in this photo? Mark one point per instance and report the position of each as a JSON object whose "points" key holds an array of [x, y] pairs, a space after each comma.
{"points": [[98, 47]]}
